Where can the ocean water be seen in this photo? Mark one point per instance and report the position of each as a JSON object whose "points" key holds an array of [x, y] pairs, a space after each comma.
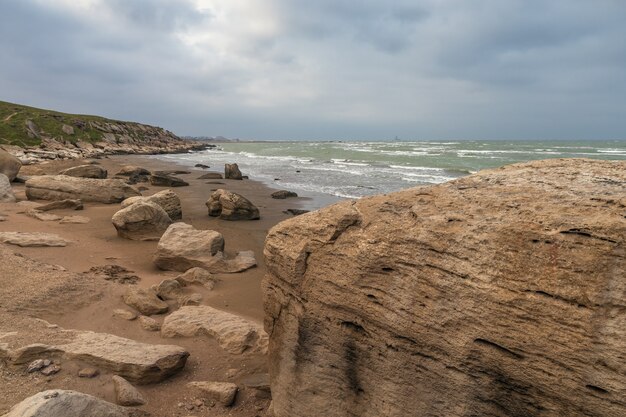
{"points": [[357, 169]]}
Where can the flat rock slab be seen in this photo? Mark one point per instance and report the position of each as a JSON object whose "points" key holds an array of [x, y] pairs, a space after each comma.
{"points": [[28, 239], [222, 392], [63, 187], [233, 333], [140, 363], [65, 403], [62, 204], [125, 393], [42, 216], [75, 220]]}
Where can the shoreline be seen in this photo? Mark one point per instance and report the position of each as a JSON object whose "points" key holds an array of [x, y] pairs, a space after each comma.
{"points": [[96, 244]]}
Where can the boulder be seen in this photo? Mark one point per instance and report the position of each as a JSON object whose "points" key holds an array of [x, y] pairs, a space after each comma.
{"points": [[61, 187], [211, 176], [231, 206], [9, 165], [233, 333], [74, 220], [203, 166], [29, 239], [166, 180], [86, 171], [167, 199], [296, 212], [125, 393], [130, 170], [495, 294], [140, 363], [61, 205], [145, 301], [231, 172], [282, 194], [182, 247], [221, 392], [149, 324], [65, 403], [6, 192], [197, 276], [143, 220]]}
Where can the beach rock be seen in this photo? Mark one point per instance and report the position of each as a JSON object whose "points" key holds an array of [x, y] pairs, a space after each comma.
{"points": [[495, 294], [125, 393], [29, 239], [231, 172], [211, 176], [197, 276], [75, 220], [149, 324], [44, 217], [145, 301], [124, 314], [167, 199], [9, 165], [65, 403], [86, 171], [88, 373], [282, 194], [182, 247], [202, 166], [165, 180], [130, 170], [37, 365], [222, 392], [61, 187], [231, 206], [234, 334], [242, 261], [61, 205], [171, 289], [6, 192], [50, 370], [143, 220], [296, 212]]}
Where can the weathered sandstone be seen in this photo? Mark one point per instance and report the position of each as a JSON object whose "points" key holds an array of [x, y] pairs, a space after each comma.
{"points": [[6, 192], [498, 294], [27, 239], [232, 172], [125, 393], [61, 187], [9, 165], [86, 171], [182, 247], [222, 392], [143, 220], [231, 206], [167, 199]]}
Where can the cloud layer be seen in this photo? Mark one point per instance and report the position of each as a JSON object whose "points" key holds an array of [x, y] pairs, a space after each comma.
{"points": [[326, 69]]}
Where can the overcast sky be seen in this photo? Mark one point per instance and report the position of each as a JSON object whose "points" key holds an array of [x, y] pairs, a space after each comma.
{"points": [[326, 69]]}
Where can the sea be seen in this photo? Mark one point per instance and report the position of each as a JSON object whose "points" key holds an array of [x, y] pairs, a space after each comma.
{"points": [[354, 169]]}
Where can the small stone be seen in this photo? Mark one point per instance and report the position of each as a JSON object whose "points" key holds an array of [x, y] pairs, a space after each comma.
{"points": [[121, 313], [126, 394], [189, 407], [37, 365], [50, 370], [224, 392], [145, 301], [198, 403], [44, 217], [88, 373], [150, 324]]}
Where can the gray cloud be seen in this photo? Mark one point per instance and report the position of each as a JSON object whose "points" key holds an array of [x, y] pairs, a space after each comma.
{"points": [[326, 69]]}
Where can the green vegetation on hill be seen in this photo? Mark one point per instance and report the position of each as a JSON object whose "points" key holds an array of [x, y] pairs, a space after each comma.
{"points": [[25, 126]]}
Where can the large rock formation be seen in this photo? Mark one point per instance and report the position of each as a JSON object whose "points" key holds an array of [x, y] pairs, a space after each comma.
{"points": [[231, 206], [498, 294], [61, 187]]}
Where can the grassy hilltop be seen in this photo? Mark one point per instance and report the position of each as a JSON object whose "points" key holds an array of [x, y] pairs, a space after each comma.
{"points": [[27, 126]]}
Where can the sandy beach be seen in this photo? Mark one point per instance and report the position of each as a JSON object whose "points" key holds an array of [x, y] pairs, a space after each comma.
{"points": [[61, 299]]}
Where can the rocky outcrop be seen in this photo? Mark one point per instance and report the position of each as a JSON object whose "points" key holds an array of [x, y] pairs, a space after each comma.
{"points": [[6, 192], [143, 220], [498, 294], [86, 171], [182, 247], [61, 187], [232, 172], [140, 363], [231, 206], [65, 403], [30, 239], [167, 199], [9, 165], [233, 333]]}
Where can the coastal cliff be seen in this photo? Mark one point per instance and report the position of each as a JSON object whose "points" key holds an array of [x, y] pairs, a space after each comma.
{"points": [[34, 135], [498, 294]]}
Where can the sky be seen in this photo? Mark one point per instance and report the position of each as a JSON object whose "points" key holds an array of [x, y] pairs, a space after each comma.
{"points": [[325, 69]]}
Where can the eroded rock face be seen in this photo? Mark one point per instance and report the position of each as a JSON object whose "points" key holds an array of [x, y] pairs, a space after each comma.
{"points": [[231, 206], [143, 220], [65, 403], [61, 187], [494, 295], [167, 199], [86, 171]]}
